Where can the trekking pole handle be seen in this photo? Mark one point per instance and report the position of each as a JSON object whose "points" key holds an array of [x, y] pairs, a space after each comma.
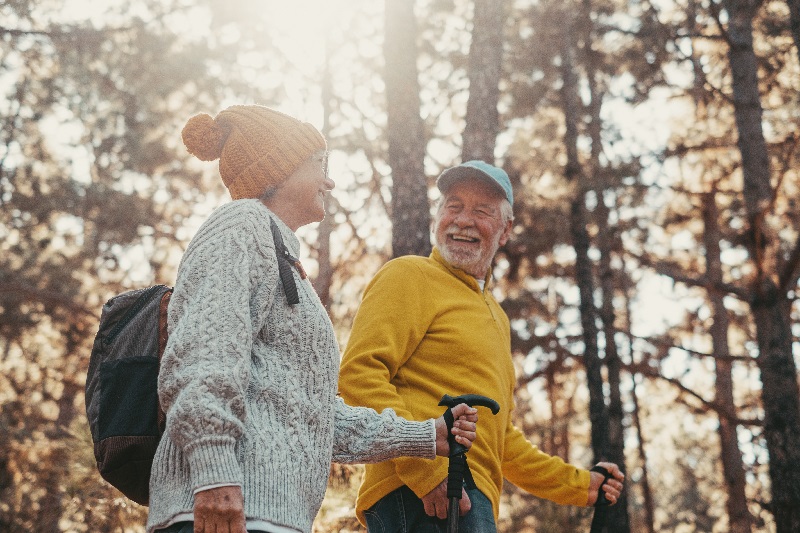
{"points": [[472, 400]]}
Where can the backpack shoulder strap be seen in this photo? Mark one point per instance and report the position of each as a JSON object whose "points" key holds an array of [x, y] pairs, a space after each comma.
{"points": [[163, 335], [285, 264]]}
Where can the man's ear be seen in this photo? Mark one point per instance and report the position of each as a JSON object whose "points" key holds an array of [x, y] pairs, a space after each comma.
{"points": [[506, 232]]}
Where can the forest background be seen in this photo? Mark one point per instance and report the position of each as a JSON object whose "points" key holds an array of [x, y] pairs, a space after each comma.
{"points": [[651, 279]]}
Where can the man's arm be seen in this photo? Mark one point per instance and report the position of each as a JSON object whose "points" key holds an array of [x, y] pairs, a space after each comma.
{"points": [[551, 478], [543, 475]]}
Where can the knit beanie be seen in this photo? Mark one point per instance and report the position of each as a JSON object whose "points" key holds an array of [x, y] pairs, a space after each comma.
{"points": [[257, 147]]}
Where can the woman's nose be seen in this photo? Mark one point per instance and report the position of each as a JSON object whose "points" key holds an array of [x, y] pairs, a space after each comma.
{"points": [[329, 183]]}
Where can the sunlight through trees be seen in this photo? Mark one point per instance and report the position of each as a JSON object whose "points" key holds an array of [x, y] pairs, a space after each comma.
{"points": [[651, 279]]}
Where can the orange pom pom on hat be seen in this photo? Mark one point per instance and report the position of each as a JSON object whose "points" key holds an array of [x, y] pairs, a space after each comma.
{"points": [[257, 147]]}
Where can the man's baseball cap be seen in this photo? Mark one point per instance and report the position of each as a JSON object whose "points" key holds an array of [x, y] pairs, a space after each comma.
{"points": [[491, 174]]}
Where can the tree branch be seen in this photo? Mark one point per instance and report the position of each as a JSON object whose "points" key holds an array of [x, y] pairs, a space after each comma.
{"points": [[732, 358], [47, 297], [22, 33], [721, 410], [674, 272]]}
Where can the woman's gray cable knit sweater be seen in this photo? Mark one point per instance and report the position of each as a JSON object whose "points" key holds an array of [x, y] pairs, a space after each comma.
{"points": [[248, 383]]}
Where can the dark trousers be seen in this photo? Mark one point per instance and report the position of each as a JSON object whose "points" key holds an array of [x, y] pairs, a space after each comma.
{"points": [[188, 527], [401, 511]]}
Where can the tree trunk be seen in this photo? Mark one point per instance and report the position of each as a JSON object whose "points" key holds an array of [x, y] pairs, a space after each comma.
{"points": [[739, 517], [747, 107], [485, 70], [636, 422], [556, 441], [322, 282], [6, 475], [410, 210], [794, 22], [51, 512], [647, 493], [598, 413], [617, 516], [771, 310], [769, 303]]}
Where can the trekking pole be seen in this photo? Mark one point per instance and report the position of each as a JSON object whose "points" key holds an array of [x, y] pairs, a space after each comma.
{"points": [[457, 466], [601, 505]]}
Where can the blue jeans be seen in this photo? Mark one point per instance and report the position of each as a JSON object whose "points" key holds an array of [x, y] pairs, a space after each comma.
{"points": [[401, 511]]}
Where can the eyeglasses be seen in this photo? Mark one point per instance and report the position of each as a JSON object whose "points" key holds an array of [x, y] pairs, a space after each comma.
{"points": [[322, 159]]}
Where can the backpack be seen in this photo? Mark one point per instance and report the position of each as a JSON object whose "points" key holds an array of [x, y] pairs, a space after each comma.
{"points": [[122, 406], [125, 418]]}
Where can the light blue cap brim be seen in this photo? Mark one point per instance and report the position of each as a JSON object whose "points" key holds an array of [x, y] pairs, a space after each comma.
{"points": [[491, 174]]}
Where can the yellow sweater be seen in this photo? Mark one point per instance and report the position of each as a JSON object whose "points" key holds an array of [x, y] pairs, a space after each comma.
{"points": [[425, 329]]}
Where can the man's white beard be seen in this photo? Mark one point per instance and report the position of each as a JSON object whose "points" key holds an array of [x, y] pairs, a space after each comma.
{"points": [[466, 260]]}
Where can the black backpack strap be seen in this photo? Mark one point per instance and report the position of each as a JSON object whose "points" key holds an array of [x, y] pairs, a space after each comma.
{"points": [[285, 264]]}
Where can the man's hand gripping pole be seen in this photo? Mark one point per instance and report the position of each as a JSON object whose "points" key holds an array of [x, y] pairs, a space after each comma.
{"points": [[457, 467]]}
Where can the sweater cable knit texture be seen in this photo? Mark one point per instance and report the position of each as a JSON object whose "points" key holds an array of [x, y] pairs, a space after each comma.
{"points": [[248, 383]]}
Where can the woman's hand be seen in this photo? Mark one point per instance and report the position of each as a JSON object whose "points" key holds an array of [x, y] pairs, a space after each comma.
{"points": [[219, 510], [464, 428]]}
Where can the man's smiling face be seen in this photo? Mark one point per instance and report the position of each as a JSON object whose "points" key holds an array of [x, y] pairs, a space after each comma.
{"points": [[469, 225]]}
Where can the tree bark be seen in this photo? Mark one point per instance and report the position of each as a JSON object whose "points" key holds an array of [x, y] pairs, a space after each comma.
{"points": [[647, 493], [410, 210], [771, 310], [324, 277], [616, 519], [739, 518], [748, 111], [794, 23], [485, 70], [52, 505], [636, 422], [598, 413], [769, 303]]}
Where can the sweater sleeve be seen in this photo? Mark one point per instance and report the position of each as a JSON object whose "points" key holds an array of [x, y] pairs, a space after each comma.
{"points": [[389, 325], [542, 475], [206, 366], [361, 435]]}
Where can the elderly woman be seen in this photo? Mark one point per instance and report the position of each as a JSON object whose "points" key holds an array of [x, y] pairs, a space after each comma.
{"points": [[249, 375]]}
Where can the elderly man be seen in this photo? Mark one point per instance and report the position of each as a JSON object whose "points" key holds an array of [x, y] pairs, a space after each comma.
{"points": [[429, 326]]}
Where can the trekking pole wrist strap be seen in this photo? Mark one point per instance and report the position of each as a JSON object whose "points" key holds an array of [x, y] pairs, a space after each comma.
{"points": [[601, 501]]}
